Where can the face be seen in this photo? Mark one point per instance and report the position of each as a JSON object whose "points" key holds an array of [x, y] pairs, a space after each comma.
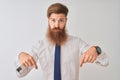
{"points": [[56, 33], [57, 22]]}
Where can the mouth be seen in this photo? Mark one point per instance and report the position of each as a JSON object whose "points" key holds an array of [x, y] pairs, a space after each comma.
{"points": [[57, 30]]}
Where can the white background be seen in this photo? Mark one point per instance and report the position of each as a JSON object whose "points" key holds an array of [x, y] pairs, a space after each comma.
{"points": [[23, 22]]}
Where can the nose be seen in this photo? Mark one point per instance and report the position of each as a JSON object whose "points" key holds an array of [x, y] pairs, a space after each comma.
{"points": [[57, 24]]}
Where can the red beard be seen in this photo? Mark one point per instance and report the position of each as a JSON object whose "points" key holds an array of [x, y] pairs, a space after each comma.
{"points": [[57, 35]]}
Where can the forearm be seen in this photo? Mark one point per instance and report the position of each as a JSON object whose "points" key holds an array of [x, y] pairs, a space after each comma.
{"points": [[23, 71]]}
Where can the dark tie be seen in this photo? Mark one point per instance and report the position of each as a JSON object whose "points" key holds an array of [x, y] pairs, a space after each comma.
{"points": [[57, 70]]}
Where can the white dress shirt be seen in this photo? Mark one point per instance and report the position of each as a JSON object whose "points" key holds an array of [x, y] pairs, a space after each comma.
{"points": [[71, 52]]}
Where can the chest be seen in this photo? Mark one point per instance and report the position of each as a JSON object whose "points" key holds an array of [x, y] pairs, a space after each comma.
{"points": [[69, 53]]}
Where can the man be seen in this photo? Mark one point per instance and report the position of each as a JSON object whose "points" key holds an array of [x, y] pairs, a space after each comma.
{"points": [[60, 55]]}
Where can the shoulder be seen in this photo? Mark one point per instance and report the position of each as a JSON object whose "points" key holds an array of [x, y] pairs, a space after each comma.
{"points": [[73, 38], [41, 44]]}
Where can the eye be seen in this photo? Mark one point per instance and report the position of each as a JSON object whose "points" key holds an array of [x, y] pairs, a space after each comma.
{"points": [[61, 20], [52, 20]]}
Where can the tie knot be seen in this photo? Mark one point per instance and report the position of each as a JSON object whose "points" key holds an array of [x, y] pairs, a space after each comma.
{"points": [[57, 45]]}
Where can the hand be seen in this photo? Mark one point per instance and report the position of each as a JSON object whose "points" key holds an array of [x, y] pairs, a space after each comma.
{"points": [[89, 56], [27, 60]]}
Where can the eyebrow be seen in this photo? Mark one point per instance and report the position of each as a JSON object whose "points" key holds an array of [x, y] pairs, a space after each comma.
{"points": [[59, 18]]}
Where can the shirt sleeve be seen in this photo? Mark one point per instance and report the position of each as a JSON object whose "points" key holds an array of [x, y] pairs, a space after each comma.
{"points": [[22, 71], [83, 46], [102, 59]]}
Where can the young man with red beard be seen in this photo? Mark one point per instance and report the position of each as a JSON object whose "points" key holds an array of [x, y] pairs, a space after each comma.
{"points": [[62, 62]]}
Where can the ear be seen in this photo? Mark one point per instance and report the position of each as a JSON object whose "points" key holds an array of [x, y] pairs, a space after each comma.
{"points": [[48, 19], [66, 18]]}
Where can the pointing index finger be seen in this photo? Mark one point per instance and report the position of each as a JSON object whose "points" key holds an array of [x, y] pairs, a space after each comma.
{"points": [[34, 63], [82, 60]]}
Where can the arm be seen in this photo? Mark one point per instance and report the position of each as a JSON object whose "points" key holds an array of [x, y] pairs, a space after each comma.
{"points": [[91, 55], [25, 63]]}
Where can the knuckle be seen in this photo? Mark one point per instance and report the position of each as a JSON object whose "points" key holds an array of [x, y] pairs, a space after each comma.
{"points": [[30, 57], [87, 55], [23, 62], [27, 60]]}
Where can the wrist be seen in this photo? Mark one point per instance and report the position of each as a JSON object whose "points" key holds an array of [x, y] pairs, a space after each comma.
{"points": [[98, 50]]}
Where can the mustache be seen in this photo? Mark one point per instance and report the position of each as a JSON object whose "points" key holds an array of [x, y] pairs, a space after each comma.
{"points": [[57, 28]]}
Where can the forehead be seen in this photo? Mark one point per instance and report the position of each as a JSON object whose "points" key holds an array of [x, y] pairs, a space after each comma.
{"points": [[55, 15]]}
